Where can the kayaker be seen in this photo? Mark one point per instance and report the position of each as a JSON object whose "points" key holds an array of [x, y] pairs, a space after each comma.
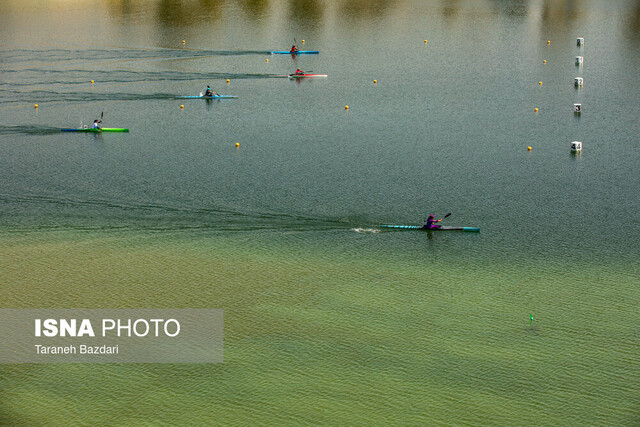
{"points": [[432, 223], [209, 92], [96, 124], [299, 71], [294, 48]]}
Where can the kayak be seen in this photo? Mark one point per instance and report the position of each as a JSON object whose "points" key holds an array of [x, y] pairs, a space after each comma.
{"points": [[98, 130], [297, 52], [303, 76], [419, 227], [208, 97]]}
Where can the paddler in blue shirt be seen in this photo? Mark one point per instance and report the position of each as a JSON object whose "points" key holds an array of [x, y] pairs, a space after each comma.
{"points": [[209, 92], [432, 223]]}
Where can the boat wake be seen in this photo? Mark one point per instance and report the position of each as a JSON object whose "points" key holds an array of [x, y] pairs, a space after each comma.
{"points": [[366, 230], [28, 130], [115, 55], [104, 214]]}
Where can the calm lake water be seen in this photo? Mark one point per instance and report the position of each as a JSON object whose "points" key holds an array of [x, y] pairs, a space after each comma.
{"points": [[329, 319]]}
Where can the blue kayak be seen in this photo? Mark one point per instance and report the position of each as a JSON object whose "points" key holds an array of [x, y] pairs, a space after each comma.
{"points": [[297, 52], [208, 97], [419, 227]]}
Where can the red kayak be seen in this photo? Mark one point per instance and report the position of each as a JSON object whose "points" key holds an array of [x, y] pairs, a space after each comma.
{"points": [[304, 76]]}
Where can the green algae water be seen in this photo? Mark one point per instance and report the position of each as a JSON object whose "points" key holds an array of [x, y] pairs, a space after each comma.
{"points": [[328, 318]]}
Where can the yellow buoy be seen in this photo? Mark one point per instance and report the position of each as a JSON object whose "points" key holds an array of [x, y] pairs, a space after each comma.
{"points": [[346, 107], [302, 41], [91, 81], [535, 109], [375, 82], [425, 42], [548, 41], [266, 60], [228, 81], [529, 148], [35, 106], [182, 107], [237, 144], [540, 83], [544, 61], [183, 42]]}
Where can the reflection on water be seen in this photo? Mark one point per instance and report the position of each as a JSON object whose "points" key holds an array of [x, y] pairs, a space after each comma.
{"points": [[555, 13], [307, 10], [634, 20], [168, 13], [450, 10], [511, 9], [177, 13], [172, 13]]}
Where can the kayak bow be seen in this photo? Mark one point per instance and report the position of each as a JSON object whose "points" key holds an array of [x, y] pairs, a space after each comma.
{"points": [[98, 130], [419, 227], [297, 52]]}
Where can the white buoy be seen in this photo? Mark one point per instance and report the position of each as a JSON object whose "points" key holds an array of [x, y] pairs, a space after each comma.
{"points": [[579, 60], [578, 81], [577, 108], [576, 146], [580, 41]]}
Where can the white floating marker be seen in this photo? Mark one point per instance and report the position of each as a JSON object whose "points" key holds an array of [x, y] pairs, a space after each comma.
{"points": [[580, 41], [576, 146], [579, 60], [578, 81], [577, 108]]}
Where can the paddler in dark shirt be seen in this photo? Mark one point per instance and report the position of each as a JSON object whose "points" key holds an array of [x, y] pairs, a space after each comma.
{"points": [[432, 223], [209, 92]]}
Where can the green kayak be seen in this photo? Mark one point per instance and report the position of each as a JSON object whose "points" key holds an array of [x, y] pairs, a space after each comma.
{"points": [[97, 130]]}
